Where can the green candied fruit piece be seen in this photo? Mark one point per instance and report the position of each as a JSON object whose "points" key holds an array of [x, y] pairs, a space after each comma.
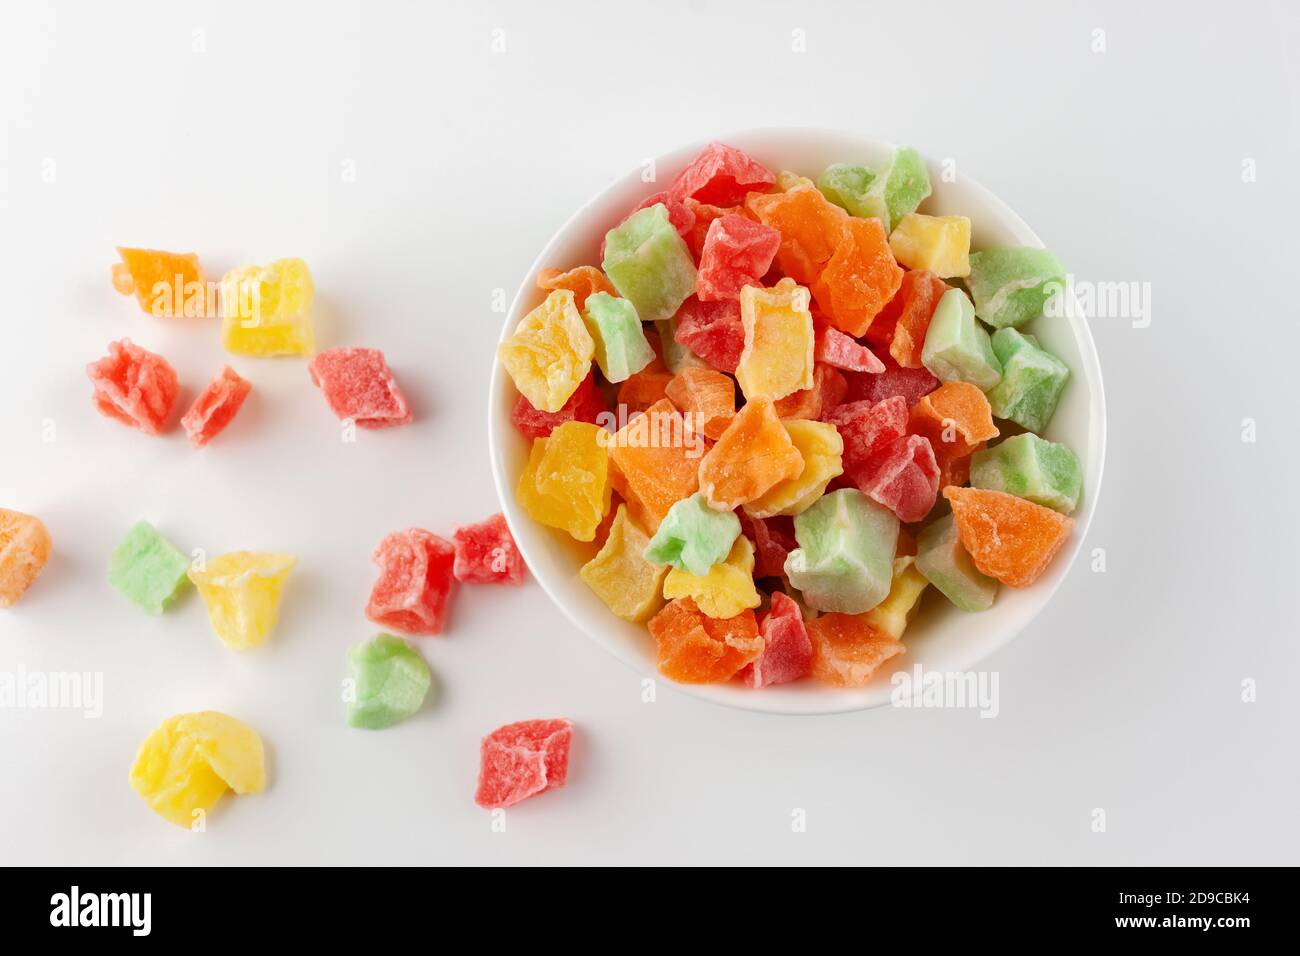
{"points": [[846, 185], [957, 348], [898, 190], [676, 355], [845, 558], [1044, 472], [693, 537], [649, 263], [147, 569], [392, 681], [1032, 380], [621, 346], [1011, 286], [945, 563]]}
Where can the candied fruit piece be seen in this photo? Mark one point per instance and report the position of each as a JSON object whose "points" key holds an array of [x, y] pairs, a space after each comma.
{"points": [[811, 229], [586, 404], [721, 175], [649, 264], [693, 537], [754, 454], [521, 760], [859, 279], [725, 589], [694, 648], [266, 310], [787, 651], [655, 463], [582, 281], [778, 355], [938, 243], [24, 549], [486, 553], [242, 592], [737, 252], [620, 575], [147, 569], [566, 483], [134, 386], [413, 591], [820, 446], [550, 352], [845, 554], [216, 406], [390, 682], [847, 650], [166, 284], [1008, 538], [705, 397], [359, 387]]}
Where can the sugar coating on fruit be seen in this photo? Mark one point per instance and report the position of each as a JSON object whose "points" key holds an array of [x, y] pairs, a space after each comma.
{"points": [[779, 340], [616, 331], [620, 575], [24, 550], [847, 185], [521, 760], [725, 589], [1012, 286], [242, 592], [359, 387], [860, 278], [134, 386], [820, 446], [582, 281], [649, 264], [940, 244], [957, 348], [166, 284], [694, 648], [693, 537], [390, 682], [414, 588], [787, 651], [848, 650], [712, 330], [216, 406], [189, 762], [1044, 472], [566, 483], [845, 554], [942, 560], [705, 397], [486, 553], [550, 352], [737, 252], [905, 589], [147, 569], [266, 310], [721, 175], [1032, 380], [654, 462], [753, 455], [1008, 538]]}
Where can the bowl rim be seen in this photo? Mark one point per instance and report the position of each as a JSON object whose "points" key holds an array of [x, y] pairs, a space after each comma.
{"points": [[835, 702]]}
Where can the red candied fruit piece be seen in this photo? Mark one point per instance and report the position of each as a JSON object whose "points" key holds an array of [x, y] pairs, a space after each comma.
{"points": [[868, 430], [358, 385], [704, 216], [773, 540], [521, 760], [845, 352], [909, 383], [486, 553], [134, 386], [713, 331], [787, 650], [415, 582], [721, 175], [905, 478], [216, 406], [584, 405], [909, 311], [737, 252]]}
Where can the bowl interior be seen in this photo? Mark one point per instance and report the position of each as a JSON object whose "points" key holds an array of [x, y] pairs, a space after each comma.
{"points": [[941, 638]]}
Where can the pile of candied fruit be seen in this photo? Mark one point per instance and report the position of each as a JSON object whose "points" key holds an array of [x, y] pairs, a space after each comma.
{"points": [[781, 409]]}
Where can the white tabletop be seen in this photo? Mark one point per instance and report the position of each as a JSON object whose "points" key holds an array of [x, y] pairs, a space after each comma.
{"points": [[417, 160]]}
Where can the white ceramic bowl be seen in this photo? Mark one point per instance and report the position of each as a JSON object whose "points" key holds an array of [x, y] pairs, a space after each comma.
{"points": [[940, 638]]}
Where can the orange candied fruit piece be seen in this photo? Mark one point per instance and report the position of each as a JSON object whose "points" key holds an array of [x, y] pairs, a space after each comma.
{"points": [[655, 462], [956, 418], [860, 279], [582, 281], [1008, 538], [828, 390], [706, 397], [912, 307], [166, 284], [754, 454], [811, 229], [847, 650], [697, 649], [642, 389]]}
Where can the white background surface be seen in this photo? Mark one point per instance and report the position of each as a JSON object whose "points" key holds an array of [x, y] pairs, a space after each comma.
{"points": [[1124, 695]]}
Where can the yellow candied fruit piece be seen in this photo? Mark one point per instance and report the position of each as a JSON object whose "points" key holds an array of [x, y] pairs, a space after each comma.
{"points": [[565, 484], [620, 575], [822, 449], [242, 592], [266, 310], [726, 590], [166, 284], [188, 763], [891, 615], [550, 352], [938, 243], [787, 181], [778, 355]]}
